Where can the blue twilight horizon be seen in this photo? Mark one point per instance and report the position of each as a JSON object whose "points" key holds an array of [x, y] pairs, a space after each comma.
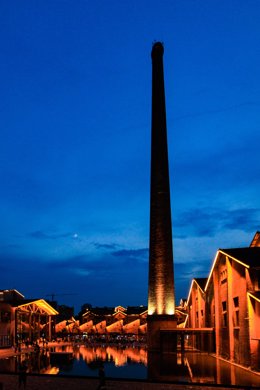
{"points": [[75, 141]]}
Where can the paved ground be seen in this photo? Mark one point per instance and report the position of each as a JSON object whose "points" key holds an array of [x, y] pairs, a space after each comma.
{"points": [[10, 382]]}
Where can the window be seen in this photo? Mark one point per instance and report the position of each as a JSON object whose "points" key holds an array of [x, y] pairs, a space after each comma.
{"points": [[236, 301], [224, 320], [236, 318], [224, 314], [5, 316], [223, 276], [236, 311]]}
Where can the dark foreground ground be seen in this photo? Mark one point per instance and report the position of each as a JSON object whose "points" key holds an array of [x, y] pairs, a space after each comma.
{"points": [[34, 382]]}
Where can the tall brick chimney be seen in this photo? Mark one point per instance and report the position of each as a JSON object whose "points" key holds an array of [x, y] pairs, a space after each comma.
{"points": [[161, 302]]}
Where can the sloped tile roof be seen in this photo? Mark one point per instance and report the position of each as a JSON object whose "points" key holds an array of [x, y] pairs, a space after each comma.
{"points": [[256, 240], [250, 256], [201, 282]]}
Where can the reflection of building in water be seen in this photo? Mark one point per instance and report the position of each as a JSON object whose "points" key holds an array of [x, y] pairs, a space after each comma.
{"points": [[137, 355], [22, 319], [50, 371], [119, 355], [229, 302]]}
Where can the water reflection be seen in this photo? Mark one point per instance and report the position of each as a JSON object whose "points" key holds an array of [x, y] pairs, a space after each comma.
{"points": [[118, 355], [35, 363], [198, 368], [131, 362], [122, 362]]}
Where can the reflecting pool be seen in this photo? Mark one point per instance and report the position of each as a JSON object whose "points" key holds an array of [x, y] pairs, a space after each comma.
{"points": [[131, 362]]}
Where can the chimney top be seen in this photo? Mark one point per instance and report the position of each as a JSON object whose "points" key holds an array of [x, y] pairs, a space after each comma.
{"points": [[157, 50]]}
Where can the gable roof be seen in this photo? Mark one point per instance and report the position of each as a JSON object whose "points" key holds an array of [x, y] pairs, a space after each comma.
{"points": [[249, 257], [256, 240], [37, 306], [11, 295], [201, 282], [120, 308]]}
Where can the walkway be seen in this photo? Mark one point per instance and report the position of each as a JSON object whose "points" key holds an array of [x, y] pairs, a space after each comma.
{"points": [[34, 382]]}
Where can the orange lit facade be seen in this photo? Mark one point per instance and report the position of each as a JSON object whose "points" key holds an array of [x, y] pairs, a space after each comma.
{"points": [[120, 320], [229, 302], [24, 319], [67, 326], [196, 304]]}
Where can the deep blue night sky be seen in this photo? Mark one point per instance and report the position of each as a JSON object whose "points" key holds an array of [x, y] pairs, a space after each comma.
{"points": [[75, 141]]}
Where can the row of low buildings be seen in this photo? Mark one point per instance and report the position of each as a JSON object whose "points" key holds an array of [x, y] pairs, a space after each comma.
{"points": [[113, 320], [31, 319]]}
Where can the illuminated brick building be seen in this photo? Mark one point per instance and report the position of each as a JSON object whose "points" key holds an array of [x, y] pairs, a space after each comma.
{"points": [[229, 302], [24, 319], [196, 303]]}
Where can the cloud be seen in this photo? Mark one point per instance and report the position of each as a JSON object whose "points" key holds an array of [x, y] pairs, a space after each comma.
{"points": [[230, 166], [105, 279], [85, 265], [105, 246], [198, 221], [184, 271], [103, 263], [243, 219], [206, 222], [80, 264], [142, 253], [40, 235]]}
